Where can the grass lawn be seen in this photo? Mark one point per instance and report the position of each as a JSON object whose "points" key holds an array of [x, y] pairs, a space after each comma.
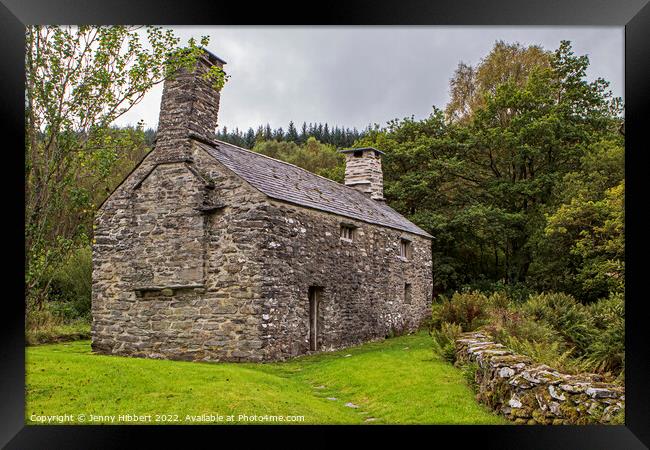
{"points": [[395, 381]]}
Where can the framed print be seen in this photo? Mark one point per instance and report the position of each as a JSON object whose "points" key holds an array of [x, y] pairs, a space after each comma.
{"points": [[364, 218]]}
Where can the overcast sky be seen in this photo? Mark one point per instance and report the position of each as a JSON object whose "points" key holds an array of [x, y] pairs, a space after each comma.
{"points": [[355, 76]]}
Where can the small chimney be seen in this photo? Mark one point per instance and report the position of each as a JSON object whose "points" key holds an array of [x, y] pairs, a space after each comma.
{"points": [[189, 106], [363, 171]]}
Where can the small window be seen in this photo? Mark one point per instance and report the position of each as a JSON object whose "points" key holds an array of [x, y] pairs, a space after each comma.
{"points": [[358, 153], [405, 250], [347, 232], [407, 293]]}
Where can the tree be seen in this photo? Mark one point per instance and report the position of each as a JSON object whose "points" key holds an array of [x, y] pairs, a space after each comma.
{"points": [[505, 63], [319, 158], [79, 80], [581, 250], [303, 133], [483, 185], [249, 138], [292, 133]]}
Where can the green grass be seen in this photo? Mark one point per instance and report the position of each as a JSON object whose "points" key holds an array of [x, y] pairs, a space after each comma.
{"points": [[398, 380]]}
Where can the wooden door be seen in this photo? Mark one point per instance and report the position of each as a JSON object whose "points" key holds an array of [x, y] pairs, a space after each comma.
{"points": [[314, 325]]}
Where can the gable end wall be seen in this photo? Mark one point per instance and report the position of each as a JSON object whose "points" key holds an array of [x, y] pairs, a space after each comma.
{"points": [[142, 309]]}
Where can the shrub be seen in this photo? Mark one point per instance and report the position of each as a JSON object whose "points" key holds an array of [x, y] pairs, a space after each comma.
{"points": [[467, 309], [70, 293], [469, 373], [505, 323], [551, 328], [41, 317], [551, 353], [607, 310], [518, 292], [444, 340], [606, 353], [58, 332], [565, 315], [499, 299]]}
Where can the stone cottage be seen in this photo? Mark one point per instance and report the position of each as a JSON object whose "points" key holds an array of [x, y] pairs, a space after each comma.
{"points": [[208, 251]]}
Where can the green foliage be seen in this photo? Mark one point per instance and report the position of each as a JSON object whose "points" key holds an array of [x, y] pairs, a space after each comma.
{"points": [[618, 418], [58, 332], [592, 233], [321, 159], [444, 340], [506, 62], [71, 286], [565, 315], [551, 353], [606, 353], [469, 373], [509, 322], [467, 309], [338, 137], [551, 328], [488, 178], [79, 80], [515, 292]]}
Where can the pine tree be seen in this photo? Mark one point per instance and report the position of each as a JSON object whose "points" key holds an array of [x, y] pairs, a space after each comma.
{"points": [[249, 139], [326, 134], [292, 133], [303, 133], [259, 134]]}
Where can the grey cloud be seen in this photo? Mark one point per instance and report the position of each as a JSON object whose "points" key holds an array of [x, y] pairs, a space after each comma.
{"points": [[355, 76]]}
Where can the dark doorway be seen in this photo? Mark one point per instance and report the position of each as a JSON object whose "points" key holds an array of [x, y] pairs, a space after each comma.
{"points": [[314, 323]]}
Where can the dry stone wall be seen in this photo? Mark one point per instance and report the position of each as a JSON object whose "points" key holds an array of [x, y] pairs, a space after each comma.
{"points": [[530, 393]]}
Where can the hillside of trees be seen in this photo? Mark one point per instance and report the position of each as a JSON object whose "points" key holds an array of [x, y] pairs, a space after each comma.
{"points": [[338, 137]]}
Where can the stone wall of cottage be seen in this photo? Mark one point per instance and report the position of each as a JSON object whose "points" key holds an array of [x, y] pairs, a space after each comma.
{"points": [[190, 262], [173, 272], [530, 393], [362, 282]]}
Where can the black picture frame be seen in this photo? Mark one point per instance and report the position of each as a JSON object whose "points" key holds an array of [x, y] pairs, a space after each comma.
{"points": [[634, 15]]}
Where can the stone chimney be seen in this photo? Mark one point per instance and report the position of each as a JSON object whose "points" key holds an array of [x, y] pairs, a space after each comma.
{"points": [[189, 107], [363, 171]]}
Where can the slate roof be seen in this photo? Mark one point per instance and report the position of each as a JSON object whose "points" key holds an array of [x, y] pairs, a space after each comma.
{"points": [[286, 182]]}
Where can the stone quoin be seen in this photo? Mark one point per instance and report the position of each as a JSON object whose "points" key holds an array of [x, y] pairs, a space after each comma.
{"points": [[208, 251]]}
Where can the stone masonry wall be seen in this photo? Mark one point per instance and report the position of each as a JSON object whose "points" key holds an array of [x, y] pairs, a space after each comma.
{"points": [[530, 393], [189, 105], [362, 281], [173, 275], [364, 173]]}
